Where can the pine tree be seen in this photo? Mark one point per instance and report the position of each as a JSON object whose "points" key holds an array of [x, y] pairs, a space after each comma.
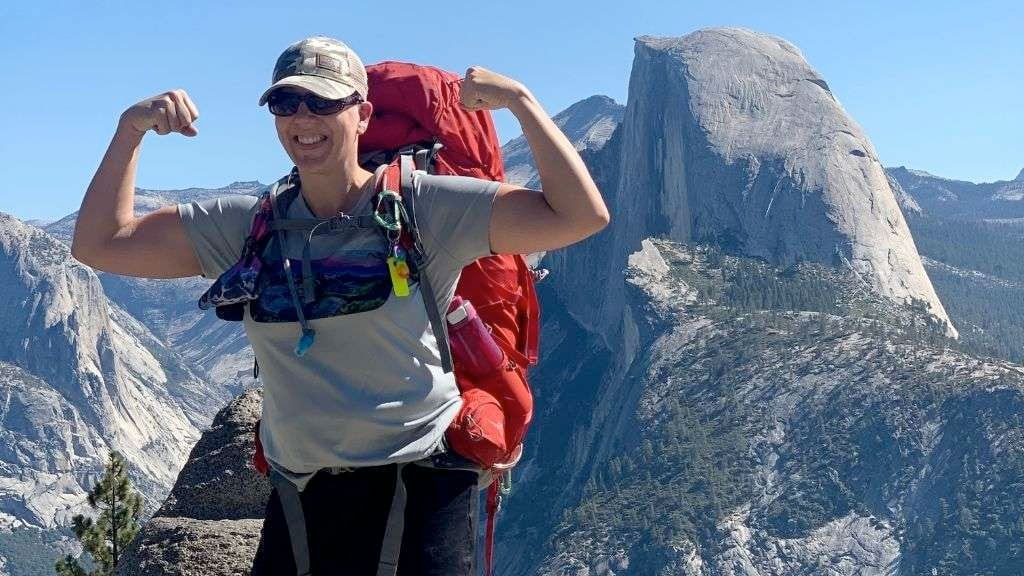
{"points": [[106, 536]]}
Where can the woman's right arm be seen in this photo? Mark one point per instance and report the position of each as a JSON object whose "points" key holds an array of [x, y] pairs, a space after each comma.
{"points": [[108, 236]]}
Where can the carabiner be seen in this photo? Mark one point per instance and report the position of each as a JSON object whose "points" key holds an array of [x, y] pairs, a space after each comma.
{"points": [[396, 201]]}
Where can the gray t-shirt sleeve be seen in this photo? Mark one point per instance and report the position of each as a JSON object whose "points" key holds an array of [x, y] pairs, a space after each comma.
{"points": [[217, 229], [453, 214]]}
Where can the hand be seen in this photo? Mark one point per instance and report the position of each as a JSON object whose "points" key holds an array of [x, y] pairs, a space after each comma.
{"points": [[169, 112], [486, 90]]}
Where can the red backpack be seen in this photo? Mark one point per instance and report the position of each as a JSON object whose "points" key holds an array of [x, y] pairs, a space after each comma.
{"points": [[418, 122]]}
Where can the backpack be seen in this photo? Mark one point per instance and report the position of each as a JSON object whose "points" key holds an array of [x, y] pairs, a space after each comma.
{"points": [[418, 123]]}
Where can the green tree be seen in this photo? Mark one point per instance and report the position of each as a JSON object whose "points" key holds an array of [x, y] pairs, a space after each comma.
{"points": [[106, 536]]}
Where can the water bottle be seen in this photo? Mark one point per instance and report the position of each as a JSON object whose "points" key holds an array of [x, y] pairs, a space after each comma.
{"points": [[472, 345]]}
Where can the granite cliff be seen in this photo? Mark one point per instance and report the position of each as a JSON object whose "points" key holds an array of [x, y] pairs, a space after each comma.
{"points": [[731, 137], [80, 376], [216, 350]]}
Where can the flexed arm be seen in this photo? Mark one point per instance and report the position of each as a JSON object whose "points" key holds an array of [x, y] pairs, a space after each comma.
{"points": [[108, 236], [569, 207]]}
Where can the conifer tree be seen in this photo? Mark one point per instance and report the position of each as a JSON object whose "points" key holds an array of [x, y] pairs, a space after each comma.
{"points": [[106, 536]]}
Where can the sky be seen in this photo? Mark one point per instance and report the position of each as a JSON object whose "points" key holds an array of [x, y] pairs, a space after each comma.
{"points": [[936, 85]]}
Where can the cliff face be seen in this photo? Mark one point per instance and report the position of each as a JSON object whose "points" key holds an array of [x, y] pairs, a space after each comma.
{"points": [[215, 349], [731, 137], [773, 421], [79, 377]]}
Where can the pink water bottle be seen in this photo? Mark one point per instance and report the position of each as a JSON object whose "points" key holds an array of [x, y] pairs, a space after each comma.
{"points": [[472, 345]]}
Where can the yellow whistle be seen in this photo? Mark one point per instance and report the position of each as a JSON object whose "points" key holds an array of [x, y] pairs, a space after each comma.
{"points": [[399, 275]]}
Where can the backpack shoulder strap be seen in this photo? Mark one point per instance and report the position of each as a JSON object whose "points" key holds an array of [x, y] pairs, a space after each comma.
{"points": [[424, 157], [437, 322], [269, 202], [279, 206]]}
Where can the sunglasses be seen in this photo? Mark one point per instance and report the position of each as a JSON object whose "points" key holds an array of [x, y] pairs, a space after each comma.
{"points": [[286, 103]]}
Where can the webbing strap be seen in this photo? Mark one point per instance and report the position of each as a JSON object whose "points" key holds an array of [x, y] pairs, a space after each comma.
{"points": [[291, 504], [493, 505], [426, 290], [391, 546], [308, 334], [330, 225], [308, 285], [424, 157]]}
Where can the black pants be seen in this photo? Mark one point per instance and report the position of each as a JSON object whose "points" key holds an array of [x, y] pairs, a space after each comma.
{"points": [[346, 515]]}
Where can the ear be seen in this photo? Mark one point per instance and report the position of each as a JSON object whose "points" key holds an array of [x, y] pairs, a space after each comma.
{"points": [[365, 113]]}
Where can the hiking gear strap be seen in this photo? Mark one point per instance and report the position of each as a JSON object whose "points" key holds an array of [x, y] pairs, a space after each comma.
{"points": [[334, 224], [429, 300], [308, 287], [291, 504], [308, 334], [391, 546], [295, 518], [424, 158], [493, 505]]}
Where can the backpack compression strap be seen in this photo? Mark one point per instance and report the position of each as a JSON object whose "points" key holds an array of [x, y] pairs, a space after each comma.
{"points": [[437, 324], [295, 519]]}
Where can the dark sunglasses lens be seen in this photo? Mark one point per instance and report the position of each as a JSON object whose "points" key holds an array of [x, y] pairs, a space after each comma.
{"points": [[283, 103], [322, 106]]}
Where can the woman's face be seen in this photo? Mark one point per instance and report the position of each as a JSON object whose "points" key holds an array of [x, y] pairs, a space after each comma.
{"points": [[323, 144]]}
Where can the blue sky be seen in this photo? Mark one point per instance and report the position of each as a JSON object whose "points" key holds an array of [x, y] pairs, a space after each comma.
{"points": [[937, 85]]}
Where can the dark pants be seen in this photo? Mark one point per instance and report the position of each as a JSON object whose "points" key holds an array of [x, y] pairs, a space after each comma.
{"points": [[346, 515]]}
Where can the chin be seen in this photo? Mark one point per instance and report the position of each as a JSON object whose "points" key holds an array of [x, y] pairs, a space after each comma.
{"points": [[316, 165]]}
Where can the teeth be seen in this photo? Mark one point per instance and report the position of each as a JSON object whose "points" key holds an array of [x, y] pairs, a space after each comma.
{"points": [[310, 139]]}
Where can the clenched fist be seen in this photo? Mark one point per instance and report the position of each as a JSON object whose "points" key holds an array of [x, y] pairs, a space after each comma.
{"points": [[169, 112], [486, 90]]}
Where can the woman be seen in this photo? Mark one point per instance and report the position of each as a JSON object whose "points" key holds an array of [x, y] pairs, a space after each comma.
{"points": [[369, 396]]}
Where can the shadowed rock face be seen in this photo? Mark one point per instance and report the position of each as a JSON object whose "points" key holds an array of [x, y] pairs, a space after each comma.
{"points": [[210, 524], [731, 137]]}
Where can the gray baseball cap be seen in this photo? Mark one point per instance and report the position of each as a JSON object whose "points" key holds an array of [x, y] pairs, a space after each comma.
{"points": [[322, 65]]}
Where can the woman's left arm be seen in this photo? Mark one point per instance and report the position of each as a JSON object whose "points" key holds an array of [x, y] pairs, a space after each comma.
{"points": [[569, 208]]}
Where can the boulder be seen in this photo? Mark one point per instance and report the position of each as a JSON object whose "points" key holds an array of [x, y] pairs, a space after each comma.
{"points": [[210, 524]]}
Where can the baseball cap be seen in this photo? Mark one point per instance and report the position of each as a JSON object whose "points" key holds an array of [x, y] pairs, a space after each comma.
{"points": [[322, 65]]}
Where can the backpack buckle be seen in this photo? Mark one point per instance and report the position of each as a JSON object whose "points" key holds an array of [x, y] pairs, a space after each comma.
{"points": [[339, 222]]}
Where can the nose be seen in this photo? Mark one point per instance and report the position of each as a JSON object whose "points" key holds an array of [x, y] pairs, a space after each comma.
{"points": [[303, 110]]}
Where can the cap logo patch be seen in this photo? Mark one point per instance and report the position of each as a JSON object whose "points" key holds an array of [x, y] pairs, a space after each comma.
{"points": [[326, 62]]}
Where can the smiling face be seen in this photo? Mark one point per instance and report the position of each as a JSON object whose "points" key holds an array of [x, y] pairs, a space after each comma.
{"points": [[323, 144]]}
